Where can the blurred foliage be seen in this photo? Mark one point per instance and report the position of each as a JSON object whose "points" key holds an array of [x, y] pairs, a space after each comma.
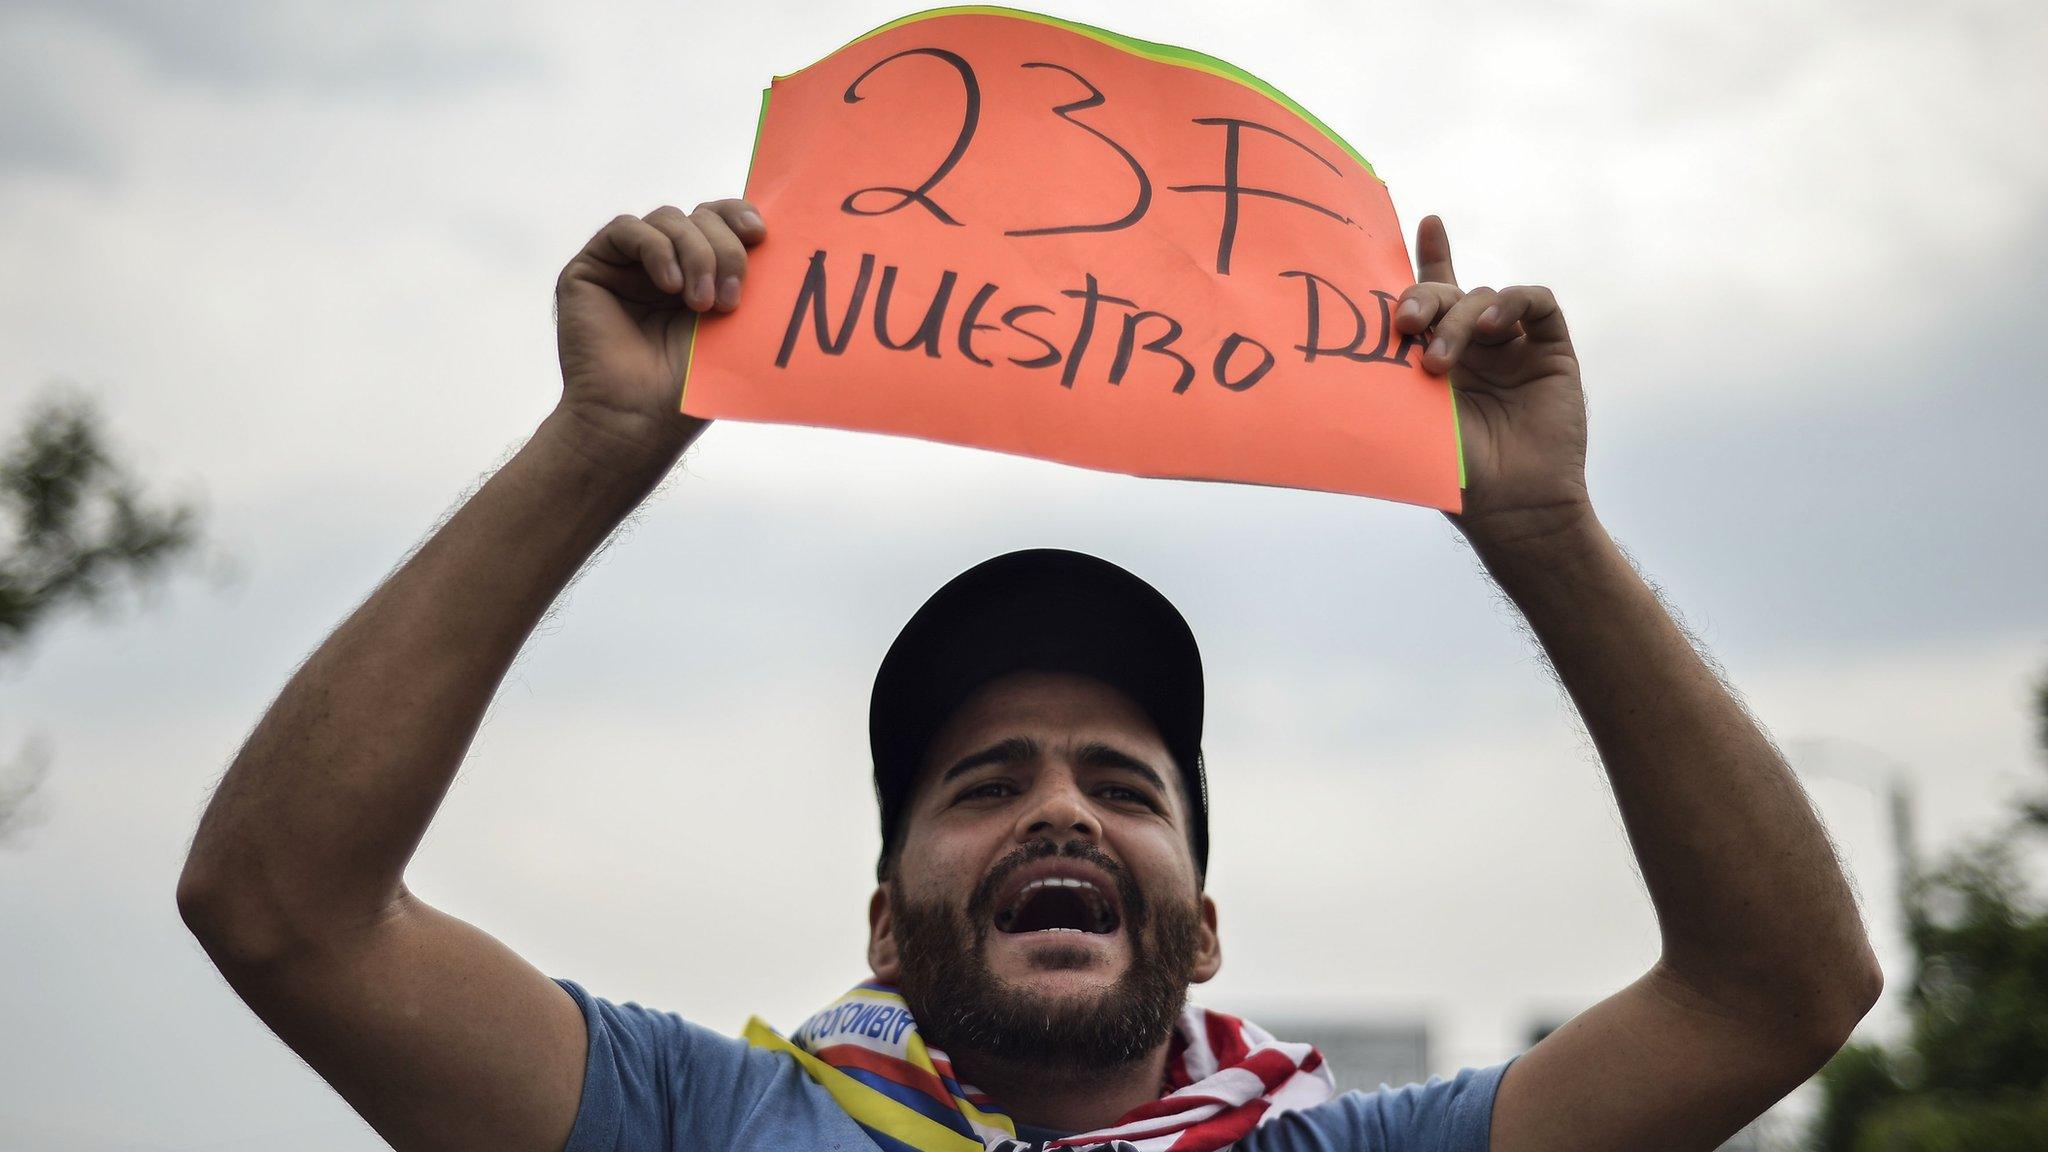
{"points": [[78, 531], [79, 528], [1972, 1073]]}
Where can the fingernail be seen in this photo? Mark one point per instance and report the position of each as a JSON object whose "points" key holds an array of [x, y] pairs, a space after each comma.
{"points": [[1440, 348], [700, 292], [1487, 318], [750, 220], [729, 292], [1410, 308], [672, 276]]}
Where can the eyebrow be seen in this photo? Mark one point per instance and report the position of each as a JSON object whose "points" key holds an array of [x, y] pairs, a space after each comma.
{"points": [[1009, 751], [1019, 748], [1099, 755]]}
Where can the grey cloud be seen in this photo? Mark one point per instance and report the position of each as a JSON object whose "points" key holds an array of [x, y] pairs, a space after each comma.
{"points": [[45, 131], [78, 79], [1863, 519], [306, 45]]}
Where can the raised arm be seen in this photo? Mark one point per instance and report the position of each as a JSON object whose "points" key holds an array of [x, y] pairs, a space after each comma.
{"points": [[437, 1034], [1765, 967]]}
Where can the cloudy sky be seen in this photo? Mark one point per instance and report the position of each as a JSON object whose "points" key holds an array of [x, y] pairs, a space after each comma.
{"points": [[302, 253]]}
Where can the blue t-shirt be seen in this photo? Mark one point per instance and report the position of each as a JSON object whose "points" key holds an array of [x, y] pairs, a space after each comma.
{"points": [[655, 1082]]}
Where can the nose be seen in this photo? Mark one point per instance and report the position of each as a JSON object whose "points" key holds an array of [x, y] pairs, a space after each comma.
{"points": [[1057, 810]]}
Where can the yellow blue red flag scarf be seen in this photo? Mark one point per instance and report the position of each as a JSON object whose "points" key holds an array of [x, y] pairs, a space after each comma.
{"points": [[1225, 1076]]}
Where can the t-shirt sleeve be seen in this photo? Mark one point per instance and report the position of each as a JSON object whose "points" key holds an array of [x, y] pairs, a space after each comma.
{"points": [[1454, 1115], [654, 1081]]}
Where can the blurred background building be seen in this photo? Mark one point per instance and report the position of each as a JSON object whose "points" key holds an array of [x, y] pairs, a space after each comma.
{"points": [[1363, 1054]]}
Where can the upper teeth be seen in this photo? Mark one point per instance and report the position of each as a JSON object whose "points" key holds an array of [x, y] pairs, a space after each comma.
{"points": [[1056, 882]]}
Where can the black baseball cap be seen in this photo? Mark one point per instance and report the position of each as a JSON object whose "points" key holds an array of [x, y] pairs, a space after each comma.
{"points": [[1039, 610]]}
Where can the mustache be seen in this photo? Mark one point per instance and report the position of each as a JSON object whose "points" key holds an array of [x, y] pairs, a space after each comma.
{"points": [[981, 905]]}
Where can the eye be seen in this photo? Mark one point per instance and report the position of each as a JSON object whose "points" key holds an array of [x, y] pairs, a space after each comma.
{"points": [[987, 789], [1125, 794]]}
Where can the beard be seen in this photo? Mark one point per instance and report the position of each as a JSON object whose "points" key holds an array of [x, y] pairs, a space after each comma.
{"points": [[961, 1006]]}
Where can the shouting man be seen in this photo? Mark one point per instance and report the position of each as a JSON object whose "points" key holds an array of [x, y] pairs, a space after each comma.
{"points": [[1041, 913]]}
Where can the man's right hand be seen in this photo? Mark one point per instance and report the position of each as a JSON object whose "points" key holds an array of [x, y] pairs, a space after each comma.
{"points": [[626, 313]]}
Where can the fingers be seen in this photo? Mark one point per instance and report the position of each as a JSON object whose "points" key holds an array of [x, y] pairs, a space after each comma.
{"points": [[629, 241], [741, 217], [693, 253], [1421, 305], [1433, 253], [730, 252], [701, 257], [1457, 330], [1531, 306], [1463, 320]]}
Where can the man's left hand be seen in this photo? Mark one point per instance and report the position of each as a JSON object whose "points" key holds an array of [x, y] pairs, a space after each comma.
{"points": [[1521, 410]]}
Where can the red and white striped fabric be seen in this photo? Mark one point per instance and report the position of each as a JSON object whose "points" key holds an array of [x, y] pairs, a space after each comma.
{"points": [[1228, 1076], [1224, 1077]]}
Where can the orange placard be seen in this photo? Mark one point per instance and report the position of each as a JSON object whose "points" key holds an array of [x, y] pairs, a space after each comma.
{"points": [[993, 228]]}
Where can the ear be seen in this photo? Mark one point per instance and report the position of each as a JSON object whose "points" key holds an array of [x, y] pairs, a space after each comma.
{"points": [[883, 959], [1208, 945]]}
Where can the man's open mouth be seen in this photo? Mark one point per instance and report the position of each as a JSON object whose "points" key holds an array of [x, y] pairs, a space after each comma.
{"points": [[1059, 904]]}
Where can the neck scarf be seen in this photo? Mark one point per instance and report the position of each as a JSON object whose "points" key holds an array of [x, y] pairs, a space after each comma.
{"points": [[1224, 1077]]}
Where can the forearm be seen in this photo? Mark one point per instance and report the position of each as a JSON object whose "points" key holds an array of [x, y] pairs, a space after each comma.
{"points": [[1752, 905], [313, 824]]}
